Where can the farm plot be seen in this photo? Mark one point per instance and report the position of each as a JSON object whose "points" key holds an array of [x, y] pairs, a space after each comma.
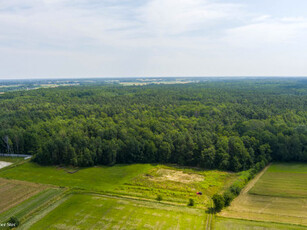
{"points": [[283, 180], [235, 224], [97, 212], [13, 192], [100, 178], [178, 184], [27, 207], [270, 200]]}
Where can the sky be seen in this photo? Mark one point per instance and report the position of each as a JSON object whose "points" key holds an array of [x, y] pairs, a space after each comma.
{"points": [[149, 38]]}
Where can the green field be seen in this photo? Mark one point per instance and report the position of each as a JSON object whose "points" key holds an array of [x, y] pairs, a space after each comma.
{"points": [[278, 196], [138, 180], [178, 184], [97, 212], [92, 179], [236, 224], [283, 180]]}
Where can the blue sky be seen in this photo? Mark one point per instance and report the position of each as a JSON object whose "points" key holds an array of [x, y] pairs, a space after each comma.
{"points": [[112, 38]]}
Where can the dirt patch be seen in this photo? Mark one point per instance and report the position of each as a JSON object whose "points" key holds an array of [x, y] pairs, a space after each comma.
{"points": [[177, 176], [4, 164], [13, 192]]}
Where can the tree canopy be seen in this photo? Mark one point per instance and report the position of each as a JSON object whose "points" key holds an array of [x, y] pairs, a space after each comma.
{"points": [[228, 125]]}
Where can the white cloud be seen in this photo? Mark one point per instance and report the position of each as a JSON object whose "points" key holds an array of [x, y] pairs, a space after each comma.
{"points": [[268, 31], [150, 37]]}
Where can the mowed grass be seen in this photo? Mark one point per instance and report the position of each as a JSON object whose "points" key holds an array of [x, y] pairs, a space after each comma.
{"points": [[283, 180], [276, 197], [97, 212], [178, 184], [100, 178], [235, 224], [13, 192]]}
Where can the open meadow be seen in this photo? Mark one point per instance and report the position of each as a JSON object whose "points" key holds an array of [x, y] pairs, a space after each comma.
{"points": [[98, 212], [278, 196], [174, 184], [178, 184]]}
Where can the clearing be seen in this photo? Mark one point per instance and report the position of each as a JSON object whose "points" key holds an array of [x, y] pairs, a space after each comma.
{"points": [[176, 184]]}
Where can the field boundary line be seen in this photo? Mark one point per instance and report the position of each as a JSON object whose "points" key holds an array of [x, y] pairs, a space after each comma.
{"points": [[38, 215], [251, 184]]}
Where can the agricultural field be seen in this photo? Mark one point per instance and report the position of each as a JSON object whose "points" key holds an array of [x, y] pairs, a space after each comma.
{"points": [[278, 196], [100, 178], [31, 205], [98, 212], [236, 224], [174, 184], [283, 180], [178, 184], [13, 192]]}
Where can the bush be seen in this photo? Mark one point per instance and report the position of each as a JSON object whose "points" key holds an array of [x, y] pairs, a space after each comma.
{"points": [[191, 202], [228, 197], [13, 222], [159, 198], [219, 202]]}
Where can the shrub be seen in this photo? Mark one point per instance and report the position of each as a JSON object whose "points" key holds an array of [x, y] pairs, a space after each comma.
{"points": [[13, 222], [228, 197], [191, 202], [159, 198], [219, 202]]}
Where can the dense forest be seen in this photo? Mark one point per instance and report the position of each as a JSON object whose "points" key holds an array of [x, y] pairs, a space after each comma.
{"points": [[228, 125]]}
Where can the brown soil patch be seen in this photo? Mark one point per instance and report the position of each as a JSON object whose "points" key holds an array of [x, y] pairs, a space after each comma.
{"points": [[177, 176], [13, 192]]}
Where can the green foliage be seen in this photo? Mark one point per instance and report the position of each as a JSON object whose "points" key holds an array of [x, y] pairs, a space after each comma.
{"points": [[159, 198], [227, 125], [191, 202], [219, 202], [13, 222]]}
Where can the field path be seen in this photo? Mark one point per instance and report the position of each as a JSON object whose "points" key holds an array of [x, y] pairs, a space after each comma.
{"points": [[254, 181], [209, 218]]}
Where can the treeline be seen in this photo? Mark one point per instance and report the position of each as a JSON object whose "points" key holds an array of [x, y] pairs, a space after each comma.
{"points": [[224, 200], [228, 125]]}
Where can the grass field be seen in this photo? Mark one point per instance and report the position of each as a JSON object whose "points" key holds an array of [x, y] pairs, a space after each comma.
{"points": [[235, 224], [96, 212], [283, 180], [276, 197], [138, 180], [13, 192], [178, 184], [92, 179]]}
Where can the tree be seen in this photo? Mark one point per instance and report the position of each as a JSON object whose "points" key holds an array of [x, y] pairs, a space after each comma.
{"points": [[13, 222], [218, 201]]}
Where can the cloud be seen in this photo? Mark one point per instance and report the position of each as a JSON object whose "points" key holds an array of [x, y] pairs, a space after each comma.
{"points": [[268, 30], [142, 37]]}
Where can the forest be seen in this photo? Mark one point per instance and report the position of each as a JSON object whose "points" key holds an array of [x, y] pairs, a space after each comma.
{"points": [[227, 125]]}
